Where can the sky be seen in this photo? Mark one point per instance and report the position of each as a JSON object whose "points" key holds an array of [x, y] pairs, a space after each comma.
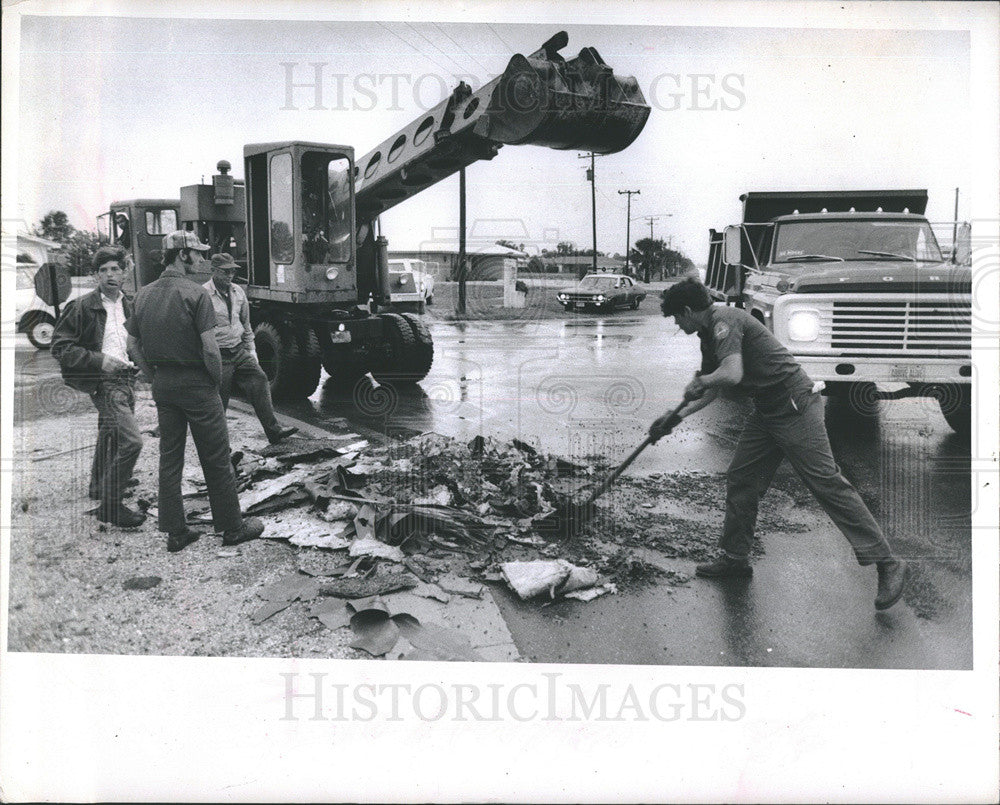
{"points": [[115, 107]]}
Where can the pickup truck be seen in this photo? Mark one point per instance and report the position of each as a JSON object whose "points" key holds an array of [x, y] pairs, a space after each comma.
{"points": [[855, 284]]}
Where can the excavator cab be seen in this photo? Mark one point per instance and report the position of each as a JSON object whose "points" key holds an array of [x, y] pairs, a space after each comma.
{"points": [[300, 235], [138, 226]]}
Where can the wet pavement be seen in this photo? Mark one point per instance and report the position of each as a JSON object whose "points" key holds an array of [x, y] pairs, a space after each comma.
{"points": [[590, 385]]}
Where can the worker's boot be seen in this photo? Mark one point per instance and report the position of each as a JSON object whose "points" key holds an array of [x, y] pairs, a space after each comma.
{"points": [[180, 540], [891, 581], [725, 567], [251, 529], [281, 434], [116, 513]]}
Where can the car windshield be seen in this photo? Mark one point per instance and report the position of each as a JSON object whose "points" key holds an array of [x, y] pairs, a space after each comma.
{"points": [[597, 283], [855, 240]]}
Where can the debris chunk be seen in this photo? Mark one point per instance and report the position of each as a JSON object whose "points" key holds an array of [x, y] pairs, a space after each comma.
{"points": [[141, 583], [366, 588]]}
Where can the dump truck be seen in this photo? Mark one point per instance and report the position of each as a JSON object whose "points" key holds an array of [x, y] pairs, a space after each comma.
{"points": [[856, 285], [303, 219]]}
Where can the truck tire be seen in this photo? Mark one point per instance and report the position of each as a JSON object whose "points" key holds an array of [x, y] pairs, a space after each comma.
{"points": [[422, 356], [281, 357], [306, 363], [860, 400], [957, 409], [398, 350], [39, 330]]}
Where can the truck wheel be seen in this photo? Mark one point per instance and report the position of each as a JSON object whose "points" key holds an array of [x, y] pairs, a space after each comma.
{"points": [[957, 409], [398, 350], [40, 331], [306, 364], [278, 354], [422, 355], [860, 400]]}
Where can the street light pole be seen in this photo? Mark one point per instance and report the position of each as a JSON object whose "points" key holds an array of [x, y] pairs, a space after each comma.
{"points": [[628, 222]]}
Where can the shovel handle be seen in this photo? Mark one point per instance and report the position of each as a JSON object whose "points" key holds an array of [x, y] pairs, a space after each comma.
{"points": [[606, 483]]}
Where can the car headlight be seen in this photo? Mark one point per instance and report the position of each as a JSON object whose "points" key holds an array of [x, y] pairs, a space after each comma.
{"points": [[600, 298], [803, 325], [563, 296]]}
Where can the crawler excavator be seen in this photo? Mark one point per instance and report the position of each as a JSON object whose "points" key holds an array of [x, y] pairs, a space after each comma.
{"points": [[303, 219]]}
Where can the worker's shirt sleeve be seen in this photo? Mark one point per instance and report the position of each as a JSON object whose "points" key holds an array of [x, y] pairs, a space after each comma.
{"points": [[728, 338], [204, 313], [245, 318]]}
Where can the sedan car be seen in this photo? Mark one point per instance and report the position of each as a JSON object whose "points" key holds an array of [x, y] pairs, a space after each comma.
{"points": [[34, 317], [602, 292]]}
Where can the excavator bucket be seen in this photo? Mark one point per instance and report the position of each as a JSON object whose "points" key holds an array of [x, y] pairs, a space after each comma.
{"points": [[580, 104]]}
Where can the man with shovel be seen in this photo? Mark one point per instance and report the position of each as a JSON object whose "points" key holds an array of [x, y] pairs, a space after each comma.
{"points": [[787, 422]]}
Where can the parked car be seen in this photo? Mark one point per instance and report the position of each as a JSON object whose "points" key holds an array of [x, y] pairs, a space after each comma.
{"points": [[410, 282], [602, 292], [34, 318]]}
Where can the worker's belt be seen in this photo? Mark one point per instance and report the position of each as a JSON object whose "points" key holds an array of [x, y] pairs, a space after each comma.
{"points": [[231, 352]]}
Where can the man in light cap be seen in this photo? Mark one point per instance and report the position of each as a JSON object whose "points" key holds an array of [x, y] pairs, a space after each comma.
{"points": [[172, 338], [236, 345]]}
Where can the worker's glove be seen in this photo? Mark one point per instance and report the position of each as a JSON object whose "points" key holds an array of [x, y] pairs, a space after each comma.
{"points": [[664, 426]]}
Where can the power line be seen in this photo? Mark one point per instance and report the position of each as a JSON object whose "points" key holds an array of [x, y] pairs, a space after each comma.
{"points": [[461, 67], [486, 72], [414, 47], [507, 47]]}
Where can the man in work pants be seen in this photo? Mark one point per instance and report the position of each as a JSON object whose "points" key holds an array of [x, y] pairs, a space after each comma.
{"points": [[787, 422], [89, 343], [172, 337], [236, 345]]}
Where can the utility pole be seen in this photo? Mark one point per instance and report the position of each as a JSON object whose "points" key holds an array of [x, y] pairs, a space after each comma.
{"points": [[628, 222], [651, 218], [461, 241], [593, 209]]}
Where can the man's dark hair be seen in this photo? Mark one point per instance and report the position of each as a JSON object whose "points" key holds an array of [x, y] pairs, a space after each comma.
{"points": [[108, 254], [169, 255], [686, 293]]}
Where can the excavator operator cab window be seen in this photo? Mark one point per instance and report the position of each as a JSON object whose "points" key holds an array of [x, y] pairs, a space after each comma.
{"points": [[326, 208], [159, 222]]}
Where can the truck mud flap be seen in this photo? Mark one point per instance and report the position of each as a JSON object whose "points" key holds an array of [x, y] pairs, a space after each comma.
{"points": [[580, 104]]}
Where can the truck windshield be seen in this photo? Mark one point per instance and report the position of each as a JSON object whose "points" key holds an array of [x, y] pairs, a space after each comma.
{"points": [[326, 207], [855, 240]]}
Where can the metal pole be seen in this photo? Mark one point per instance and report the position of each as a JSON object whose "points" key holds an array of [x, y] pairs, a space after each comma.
{"points": [[628, 223], [461, 241], [593, 209], [954, 231]]}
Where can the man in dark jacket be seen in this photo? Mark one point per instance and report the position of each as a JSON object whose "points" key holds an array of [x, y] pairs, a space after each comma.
{"points": [[90, 344]]}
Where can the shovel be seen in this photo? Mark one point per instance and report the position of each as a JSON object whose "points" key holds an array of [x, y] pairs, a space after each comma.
{"points": [[570, 517]]}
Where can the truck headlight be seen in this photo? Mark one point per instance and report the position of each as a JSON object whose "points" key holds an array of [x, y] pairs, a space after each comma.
{"points": [[803, 325], [331, 273]]}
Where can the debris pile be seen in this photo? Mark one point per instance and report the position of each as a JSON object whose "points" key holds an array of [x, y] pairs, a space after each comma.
{"points": [[432, 519]]}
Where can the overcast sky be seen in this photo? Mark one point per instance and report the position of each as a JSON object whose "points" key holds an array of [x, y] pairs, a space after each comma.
{"points": [[115, 108]]}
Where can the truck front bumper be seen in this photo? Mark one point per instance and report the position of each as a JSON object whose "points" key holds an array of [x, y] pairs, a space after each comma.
{"points": [[861, 370]]}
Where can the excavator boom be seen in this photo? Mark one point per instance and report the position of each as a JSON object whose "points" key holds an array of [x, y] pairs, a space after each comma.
{"points": [[540, 99]]}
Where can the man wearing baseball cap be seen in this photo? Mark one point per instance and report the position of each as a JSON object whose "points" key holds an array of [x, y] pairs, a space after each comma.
{"points": [[172, 338], [239, 354]]}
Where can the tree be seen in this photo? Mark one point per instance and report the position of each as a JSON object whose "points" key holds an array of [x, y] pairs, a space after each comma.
{"points": [[54, 226], [78, 252], [78, 245], [565, 247], [518, 247], [649, 254]]}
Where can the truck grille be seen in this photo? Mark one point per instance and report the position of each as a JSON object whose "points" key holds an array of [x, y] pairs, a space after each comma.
{"points": [[904, 327]]}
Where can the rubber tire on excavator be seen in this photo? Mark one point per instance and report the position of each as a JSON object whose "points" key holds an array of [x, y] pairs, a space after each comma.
{"points": [[307, 363], [422, 356], [400, 342], [289, 359]]}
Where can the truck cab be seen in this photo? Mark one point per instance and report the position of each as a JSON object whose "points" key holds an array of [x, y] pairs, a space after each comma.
{"points": [[138, 226], [859, 291]]}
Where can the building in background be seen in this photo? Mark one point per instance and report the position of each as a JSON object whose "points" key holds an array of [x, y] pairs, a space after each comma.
{"points": [[486, 261]]}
